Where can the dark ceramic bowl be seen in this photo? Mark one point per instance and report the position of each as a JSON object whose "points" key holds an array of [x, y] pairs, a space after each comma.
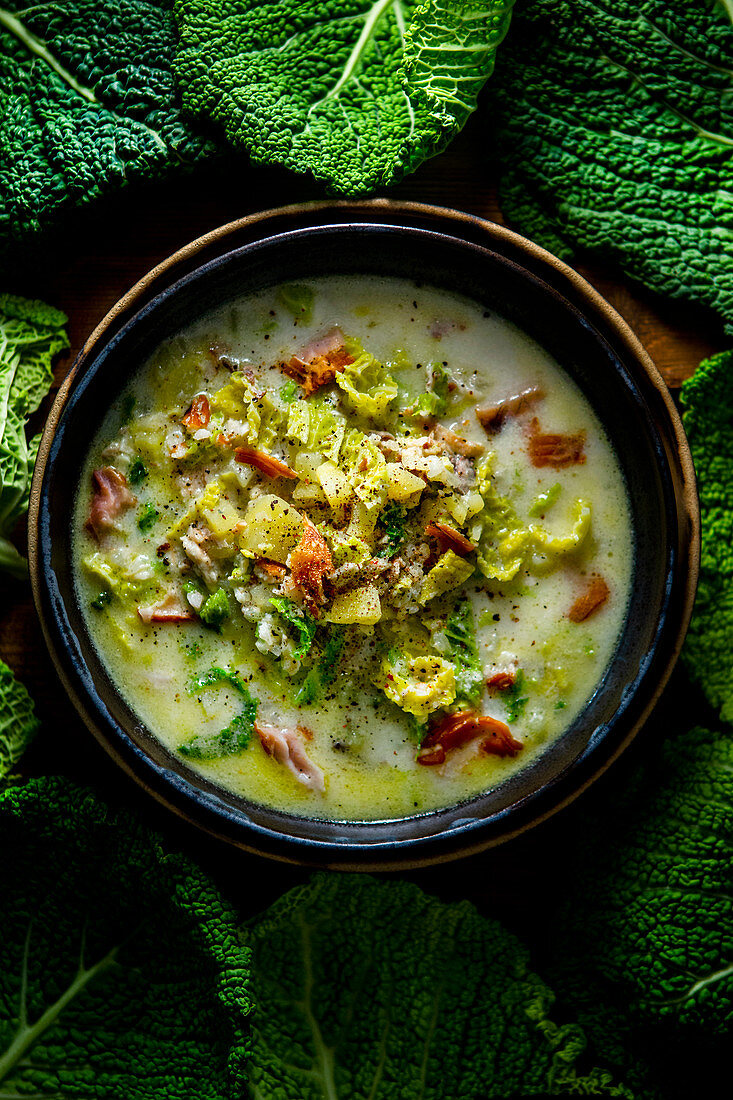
{"points": [[503, 272]]}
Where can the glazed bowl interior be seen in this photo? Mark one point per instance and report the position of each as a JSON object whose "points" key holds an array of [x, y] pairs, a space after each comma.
{"points": [[619, 392]]}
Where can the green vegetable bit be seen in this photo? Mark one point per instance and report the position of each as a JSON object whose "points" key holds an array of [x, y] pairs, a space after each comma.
{"points": [[545, 500], [116, 951], [101, 601], [434, 403], [707, 401], [460, 631], [289, 392], [392, 519], [138, 471], [402, 1014], [325, 671], [215, 609], [514, 701], [110, 115], [614, 128], [303, 624], [31, 335], [357, 92], [147, 517], [298, 300], [18, 727], [235, 737]]}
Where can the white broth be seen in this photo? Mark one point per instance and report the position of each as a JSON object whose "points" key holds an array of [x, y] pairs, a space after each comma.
{"points": [[364, 601]]}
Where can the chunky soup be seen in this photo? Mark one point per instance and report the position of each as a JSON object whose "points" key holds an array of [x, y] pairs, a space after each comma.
{"points": [[354, 549]]}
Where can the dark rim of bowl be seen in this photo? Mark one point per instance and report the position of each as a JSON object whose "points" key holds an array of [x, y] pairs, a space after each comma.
{"points": [[338, 845]]}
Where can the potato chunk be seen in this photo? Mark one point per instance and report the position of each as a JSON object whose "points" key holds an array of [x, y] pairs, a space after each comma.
{"points": [[272, 528], [361, 606], [402, 484]]}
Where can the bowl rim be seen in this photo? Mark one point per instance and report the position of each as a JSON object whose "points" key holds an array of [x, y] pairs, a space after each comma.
{"points": [[401, 854]]}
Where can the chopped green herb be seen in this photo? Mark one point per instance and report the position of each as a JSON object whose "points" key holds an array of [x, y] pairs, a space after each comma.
{"points": [[461, 634], [298, 300], [192, 650], [513, 698], [304, 624], [392, 520], [147, 517], [215, 609], [307, 693], [289, 392], [328, 664], [545, 500], [324, 672], [233, 738], [138, 471], [560, 704], [101, 601]]}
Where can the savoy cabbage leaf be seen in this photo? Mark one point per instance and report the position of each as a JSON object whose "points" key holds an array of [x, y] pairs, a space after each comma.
{"points": [[643, 947], [121, 972], [707, 400], [356, 92], [31, 335], [368, 990], [18, 722], [614, 128], [87, 104]]}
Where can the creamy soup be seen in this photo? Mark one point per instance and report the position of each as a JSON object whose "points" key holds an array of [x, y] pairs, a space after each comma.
{"points": [[356, 549]]}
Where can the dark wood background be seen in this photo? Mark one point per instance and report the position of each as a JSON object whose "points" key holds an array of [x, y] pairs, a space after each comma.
{"points": [[100, 254]]}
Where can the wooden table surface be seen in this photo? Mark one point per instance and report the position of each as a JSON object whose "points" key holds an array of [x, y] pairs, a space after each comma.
{"points": [[101, 254]]}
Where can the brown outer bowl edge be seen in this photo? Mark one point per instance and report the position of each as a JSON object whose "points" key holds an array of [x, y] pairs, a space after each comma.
{"points": [[385, 210]]}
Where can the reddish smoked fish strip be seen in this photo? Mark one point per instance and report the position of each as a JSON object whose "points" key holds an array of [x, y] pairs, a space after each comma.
{"points": [[168, 610], [111, 497], [555, 448], [272, 568], [432, 757], [285, 746], [317, 363], [458, 729], [492, 418], [590, 601], [198, 414], [501, 681], [448, 537], [266, 464], [311, 562], [457, 443]]}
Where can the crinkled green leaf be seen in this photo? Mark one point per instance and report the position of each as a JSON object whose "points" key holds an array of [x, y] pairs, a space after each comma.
{"points": [[356, 92], [707, 399], [368, 989], [31, 334], [18, 722], [615, 132], [87, 104], [643, 951], [121, 971]]}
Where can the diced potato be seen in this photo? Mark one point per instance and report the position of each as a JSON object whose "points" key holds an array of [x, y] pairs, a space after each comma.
{"points": [[464, 507], [361, 606], [272, 528], [363, 521], [306, 465], [309, 493], [337, 488], [222, 518], [308, 490], [401, 483]]}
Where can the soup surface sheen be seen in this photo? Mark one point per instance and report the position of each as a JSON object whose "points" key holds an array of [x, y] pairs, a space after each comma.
{"points": [[324, 580]]}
